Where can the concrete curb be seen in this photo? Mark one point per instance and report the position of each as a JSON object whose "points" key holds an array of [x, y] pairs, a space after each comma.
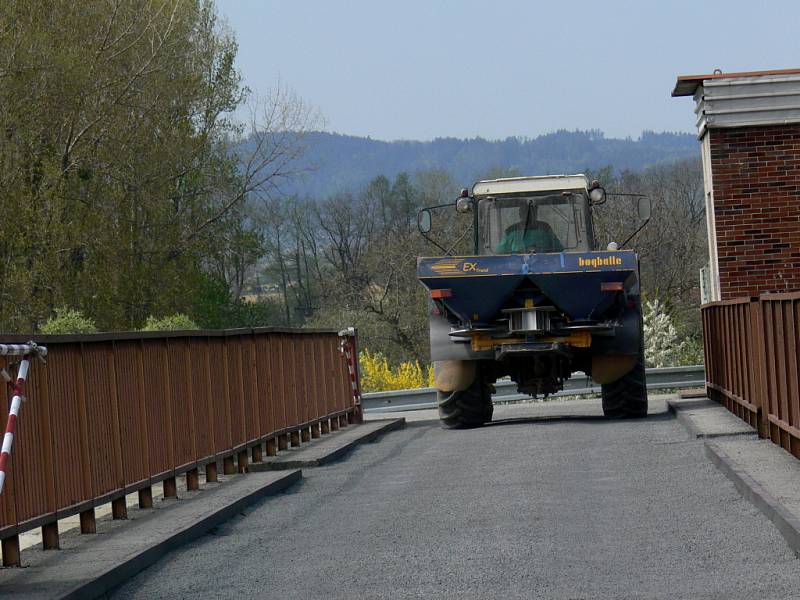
{"points": [[692, 393], [688, 403], [279, 463], [678, 411], [139, 561], [788, 524], [683, 419]]}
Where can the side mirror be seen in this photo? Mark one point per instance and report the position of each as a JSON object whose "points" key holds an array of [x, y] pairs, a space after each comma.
{"points": [[424, 220], [464, 205], [597, 194], [644, 208]]}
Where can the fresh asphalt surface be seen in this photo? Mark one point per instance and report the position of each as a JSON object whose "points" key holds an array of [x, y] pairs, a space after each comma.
{"points": [[573, 507]]}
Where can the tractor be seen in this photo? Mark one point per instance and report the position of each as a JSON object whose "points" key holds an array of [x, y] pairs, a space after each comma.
{"points": [[536, 301]]}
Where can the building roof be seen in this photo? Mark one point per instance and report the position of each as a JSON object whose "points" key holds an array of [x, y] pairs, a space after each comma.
{"points": [[687, 85]]}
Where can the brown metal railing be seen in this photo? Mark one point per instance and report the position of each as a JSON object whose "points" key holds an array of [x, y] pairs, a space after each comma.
{"points": [[113, 414], [752, 352]]}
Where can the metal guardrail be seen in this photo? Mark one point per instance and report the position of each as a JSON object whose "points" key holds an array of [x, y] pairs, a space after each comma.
{"points": [[752, 354], [579, 384], [113, 414]]}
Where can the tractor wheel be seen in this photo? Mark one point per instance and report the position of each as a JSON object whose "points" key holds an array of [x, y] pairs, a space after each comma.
{"points": [[626, 398], [471, 408]]}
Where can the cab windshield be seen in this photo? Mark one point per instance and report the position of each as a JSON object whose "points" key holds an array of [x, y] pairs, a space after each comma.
{"points": [[533, 224]]}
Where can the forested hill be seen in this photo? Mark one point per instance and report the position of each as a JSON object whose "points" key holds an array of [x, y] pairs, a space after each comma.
{"points": [[342, 162]]}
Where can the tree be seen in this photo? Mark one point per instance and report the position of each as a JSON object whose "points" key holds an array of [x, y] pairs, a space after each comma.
{"points": [[370, 246], [120, 162], [237, 247]]}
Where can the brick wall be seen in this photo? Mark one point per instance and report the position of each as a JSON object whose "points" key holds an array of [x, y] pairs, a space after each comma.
{"points": [[756, 178]]}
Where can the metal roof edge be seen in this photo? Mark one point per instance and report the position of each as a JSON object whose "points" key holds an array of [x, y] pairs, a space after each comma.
{"points": [[686, 85]]}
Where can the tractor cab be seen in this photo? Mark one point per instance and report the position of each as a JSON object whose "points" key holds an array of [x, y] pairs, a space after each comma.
{"points": [[531, 215]]}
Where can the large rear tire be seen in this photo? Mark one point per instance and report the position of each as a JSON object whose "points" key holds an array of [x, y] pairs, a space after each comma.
{"points": [[626, 398], [471, 408]]}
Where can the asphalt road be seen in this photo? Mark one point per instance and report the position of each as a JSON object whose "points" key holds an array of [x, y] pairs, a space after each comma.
{"points": [[572, 507]]}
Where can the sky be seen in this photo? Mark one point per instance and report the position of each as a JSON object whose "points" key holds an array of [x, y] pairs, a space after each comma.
{"points": [[418, 70]]}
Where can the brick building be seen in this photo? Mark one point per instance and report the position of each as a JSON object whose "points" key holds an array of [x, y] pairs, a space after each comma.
{"points": [[749, 129]]}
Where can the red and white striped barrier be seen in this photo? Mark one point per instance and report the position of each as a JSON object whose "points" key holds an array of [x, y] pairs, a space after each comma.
{"points": [[347, 345], [26, 350], [22, 349]]}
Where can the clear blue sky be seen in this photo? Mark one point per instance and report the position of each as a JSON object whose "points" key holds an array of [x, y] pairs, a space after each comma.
{"points": [[414, 69]]}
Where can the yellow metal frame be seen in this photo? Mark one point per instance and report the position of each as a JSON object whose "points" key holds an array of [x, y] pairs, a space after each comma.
{"points": [[484, 341]]}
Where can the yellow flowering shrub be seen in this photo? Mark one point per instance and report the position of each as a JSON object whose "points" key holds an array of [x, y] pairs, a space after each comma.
{"points": [[378, 376]]}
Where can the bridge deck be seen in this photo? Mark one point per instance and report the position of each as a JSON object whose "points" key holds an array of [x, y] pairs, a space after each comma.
{"points": [[573, 507]]}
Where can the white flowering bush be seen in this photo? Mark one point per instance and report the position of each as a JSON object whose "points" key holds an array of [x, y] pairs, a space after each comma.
{"points": [[661, 345]]}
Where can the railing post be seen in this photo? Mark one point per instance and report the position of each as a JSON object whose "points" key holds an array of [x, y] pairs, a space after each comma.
{"points": [[211, 472], [256, 453], [242, 461], [759, 366], [348, 348], [50, 536], [88, 523], [711, 365], [146, 497], [272, 447], [192, 480], [170, 488], [315, 431], [11, 555], [119, 508]]}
